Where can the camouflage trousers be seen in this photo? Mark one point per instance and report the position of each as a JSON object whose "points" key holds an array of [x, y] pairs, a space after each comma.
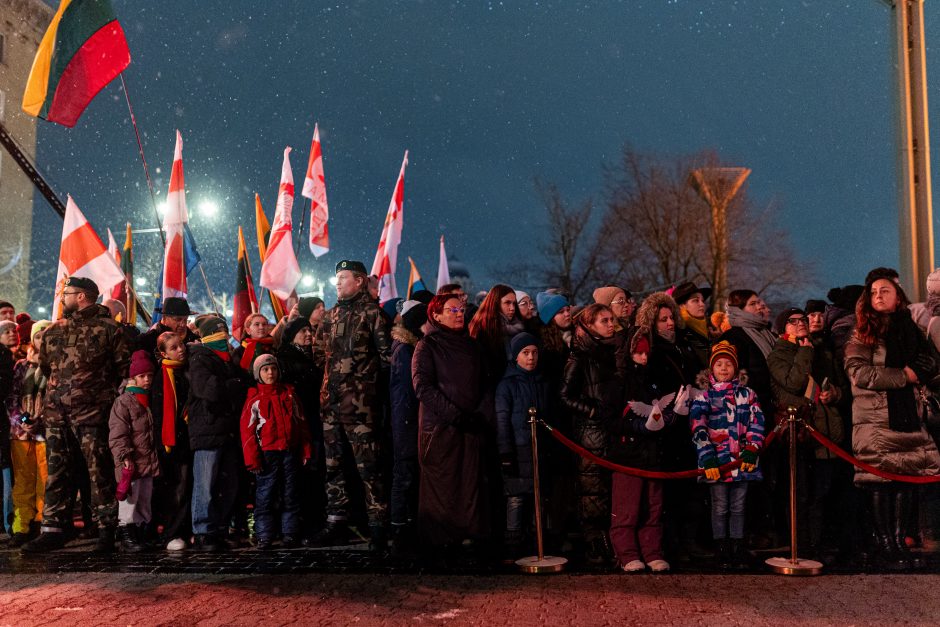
{"points": [[90, 443], [363, 441]]}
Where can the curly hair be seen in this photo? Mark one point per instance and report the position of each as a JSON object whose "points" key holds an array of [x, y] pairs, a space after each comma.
{"points": [[871, 325]]}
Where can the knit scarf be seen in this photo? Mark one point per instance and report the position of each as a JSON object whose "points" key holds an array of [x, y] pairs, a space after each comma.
{"points": [[142, 395], [251, 349], [902, 347], [218, 344], [698, 325], [754, 326], [168, 430], [933, 304]]}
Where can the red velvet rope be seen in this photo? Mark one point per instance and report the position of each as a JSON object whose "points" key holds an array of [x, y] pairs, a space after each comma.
{"points": [[639, 472], [829, 444]]}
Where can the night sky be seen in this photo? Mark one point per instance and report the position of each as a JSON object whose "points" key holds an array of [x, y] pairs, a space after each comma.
{"points": [[487, 96]]}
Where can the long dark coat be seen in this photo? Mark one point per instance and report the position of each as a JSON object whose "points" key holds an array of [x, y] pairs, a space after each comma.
{"points": [[447, 371]]}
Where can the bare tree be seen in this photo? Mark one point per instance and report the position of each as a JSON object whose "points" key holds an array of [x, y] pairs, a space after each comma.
{"points": [[655, 233]]}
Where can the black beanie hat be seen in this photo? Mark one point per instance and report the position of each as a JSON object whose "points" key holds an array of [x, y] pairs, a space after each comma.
{"points": [[780, 324], [293, 328], [306, 306], [845, 297], [414, 318], [520, 341], [815, 306]]}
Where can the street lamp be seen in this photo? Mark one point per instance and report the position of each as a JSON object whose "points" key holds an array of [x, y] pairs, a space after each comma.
{"points": [[140, 281], [208, 209], [307, 281]]}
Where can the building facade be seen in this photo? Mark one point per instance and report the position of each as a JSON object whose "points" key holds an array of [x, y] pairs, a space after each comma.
{"points": [[22, 24]]}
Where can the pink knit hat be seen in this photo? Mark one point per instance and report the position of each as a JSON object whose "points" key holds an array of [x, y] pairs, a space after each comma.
{"points": [[140, 364]]}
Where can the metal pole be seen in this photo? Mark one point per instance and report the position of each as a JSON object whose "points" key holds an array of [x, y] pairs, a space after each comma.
{"points": [[208, 288], [143, 159], [541, 563], [793, 565]]}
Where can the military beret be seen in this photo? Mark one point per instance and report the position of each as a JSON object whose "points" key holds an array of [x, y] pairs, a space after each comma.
{"points": [[82, 283], [352, 266]]}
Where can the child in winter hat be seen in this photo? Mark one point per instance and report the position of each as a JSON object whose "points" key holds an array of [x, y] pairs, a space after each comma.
{"points": [[727, 425], [275, 443], [135, 456]]}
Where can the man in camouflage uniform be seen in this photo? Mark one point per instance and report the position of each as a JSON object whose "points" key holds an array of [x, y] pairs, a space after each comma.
{"points": [[352, 347], [85, 357]]}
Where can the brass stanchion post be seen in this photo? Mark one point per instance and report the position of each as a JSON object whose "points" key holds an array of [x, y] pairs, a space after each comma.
{"points": [[541, 563], [793, 565]]}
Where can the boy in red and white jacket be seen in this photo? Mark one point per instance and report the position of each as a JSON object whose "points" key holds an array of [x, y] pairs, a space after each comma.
{"points": [[275, 442]]}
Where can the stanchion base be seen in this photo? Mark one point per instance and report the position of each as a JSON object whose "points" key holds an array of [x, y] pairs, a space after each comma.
{"points": [[800, 568], [548, 564]]}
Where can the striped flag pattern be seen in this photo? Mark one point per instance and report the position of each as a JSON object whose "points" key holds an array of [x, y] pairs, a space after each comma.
{"points": [[387, 254], [83, 254], [280, 272], [174, 224], [315, 189]]}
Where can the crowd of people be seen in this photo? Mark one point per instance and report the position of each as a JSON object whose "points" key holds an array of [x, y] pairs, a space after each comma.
{"points": [[411, 419]]}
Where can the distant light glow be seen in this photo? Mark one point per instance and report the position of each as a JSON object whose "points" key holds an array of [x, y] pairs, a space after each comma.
{"points": [[208, 209], [307, 281], [333, 281], [229, 313], [41, 309], [161, 208], [140, 281]]}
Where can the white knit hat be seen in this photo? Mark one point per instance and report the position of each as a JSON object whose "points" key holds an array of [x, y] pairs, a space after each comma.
{"points": [[933, 282]]}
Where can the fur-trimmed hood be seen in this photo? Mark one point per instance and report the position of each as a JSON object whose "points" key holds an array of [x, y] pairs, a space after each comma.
{"points": [[403, 335], [703, 379], [646, 316]]}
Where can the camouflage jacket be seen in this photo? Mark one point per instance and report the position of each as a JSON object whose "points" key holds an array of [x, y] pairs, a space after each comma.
{"points": [[352, 347], [85, 357]]}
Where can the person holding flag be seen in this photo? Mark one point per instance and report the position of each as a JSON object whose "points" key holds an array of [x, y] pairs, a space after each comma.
{"points": [[353, 348]]}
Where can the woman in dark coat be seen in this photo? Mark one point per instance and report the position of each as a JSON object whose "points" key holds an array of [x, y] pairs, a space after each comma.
{"points": [[593, 391], [673, 362], [295, 357], [448, 375]]}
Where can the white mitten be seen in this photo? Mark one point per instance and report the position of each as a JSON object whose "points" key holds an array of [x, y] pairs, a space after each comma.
{"points": [[655, 421], [681, 407]]}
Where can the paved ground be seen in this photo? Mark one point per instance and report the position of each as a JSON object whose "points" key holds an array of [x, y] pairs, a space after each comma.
{"points": [[75, 600]]}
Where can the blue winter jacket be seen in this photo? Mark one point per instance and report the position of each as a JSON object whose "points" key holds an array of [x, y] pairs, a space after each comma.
{"points": [[404, 402], [518, 391]]}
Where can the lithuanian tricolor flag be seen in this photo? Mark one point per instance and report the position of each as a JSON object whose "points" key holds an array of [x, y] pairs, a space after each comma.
{"points": [[83, 50]]}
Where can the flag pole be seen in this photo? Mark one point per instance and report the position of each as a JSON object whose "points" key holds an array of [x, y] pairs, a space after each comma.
{"points": [[300, 231], [143, 159], [208, 289]]}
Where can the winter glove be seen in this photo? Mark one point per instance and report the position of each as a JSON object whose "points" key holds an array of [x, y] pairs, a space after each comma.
{"points": [[748, 460], [711, 469], [683, 400], [509, 465]]}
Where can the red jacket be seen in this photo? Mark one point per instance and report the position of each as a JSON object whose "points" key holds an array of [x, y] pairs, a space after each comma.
{"points": [[272, 420]]}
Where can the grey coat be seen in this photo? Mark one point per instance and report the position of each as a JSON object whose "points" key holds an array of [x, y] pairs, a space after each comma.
{"points": [[873, 441]]}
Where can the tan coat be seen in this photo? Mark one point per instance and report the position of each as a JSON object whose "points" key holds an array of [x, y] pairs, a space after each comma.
{"points": [[873, 441], [131, 436]]}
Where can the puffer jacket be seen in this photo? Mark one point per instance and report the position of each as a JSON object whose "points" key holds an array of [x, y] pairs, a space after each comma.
{"points": [[516, 393], [593, 384], [272, 420], [131, 436], [726, 420], [790, 367], [217, 391], [873, 441]]}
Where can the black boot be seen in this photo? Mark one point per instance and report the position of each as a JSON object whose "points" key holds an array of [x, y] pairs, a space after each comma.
{"points": [[598, 552], [378, 539], [723, 554], [105, 542], [404, 541], [47, 541], [332, 534], [129, 536], [883, 510], [906, 525], [740, 558]]}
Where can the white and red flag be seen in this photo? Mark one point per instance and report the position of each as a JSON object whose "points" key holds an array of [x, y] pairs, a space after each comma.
{"points": [[174, 225], [385, 257], [280, 271], [117, 291], [443, 270], [315, 189], [83, 254]]}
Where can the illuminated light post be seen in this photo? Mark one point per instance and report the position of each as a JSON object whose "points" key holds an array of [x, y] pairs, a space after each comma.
{"points": [[915, 200]]}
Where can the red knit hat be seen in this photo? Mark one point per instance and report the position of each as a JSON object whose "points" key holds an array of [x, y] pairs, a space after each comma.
{"points": [[140, 364], [724, 349]]}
